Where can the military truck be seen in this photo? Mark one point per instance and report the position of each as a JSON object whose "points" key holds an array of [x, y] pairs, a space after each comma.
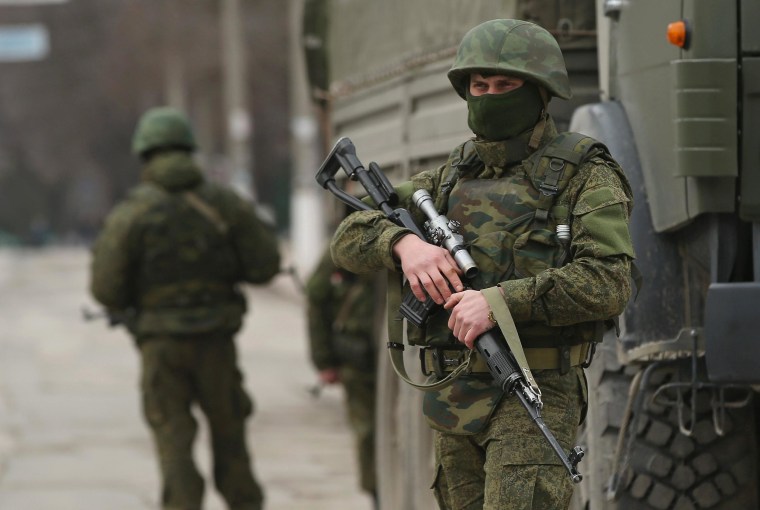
{"points": [[672, 89], [672, 420]]}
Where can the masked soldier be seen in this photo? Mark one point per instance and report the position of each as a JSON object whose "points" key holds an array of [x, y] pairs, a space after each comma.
{"points": [[342, 340], [168, 262], [545, 217]]}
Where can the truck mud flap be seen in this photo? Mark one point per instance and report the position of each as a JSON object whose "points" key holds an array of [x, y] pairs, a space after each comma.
{"points": [[731, 331]]}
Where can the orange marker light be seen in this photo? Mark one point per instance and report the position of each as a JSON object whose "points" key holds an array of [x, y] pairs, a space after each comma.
{"points": [[678, 34]]}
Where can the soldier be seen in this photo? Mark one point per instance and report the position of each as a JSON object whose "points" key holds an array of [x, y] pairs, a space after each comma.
{"points": [[545, 216], [341, 308], [169, 259]]}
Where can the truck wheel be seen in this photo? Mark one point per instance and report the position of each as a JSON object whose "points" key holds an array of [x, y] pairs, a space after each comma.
{"points": [[667, 469], [404, 442]]}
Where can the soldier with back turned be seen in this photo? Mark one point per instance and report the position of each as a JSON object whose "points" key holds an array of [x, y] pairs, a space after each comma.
{"points": [[169, 261]]}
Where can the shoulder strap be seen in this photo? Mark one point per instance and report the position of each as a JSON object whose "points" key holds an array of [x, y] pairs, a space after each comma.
{"points": [[349, 300], [556, 164], [206, 210], [462, 158], [553, 169], [196, 202]]}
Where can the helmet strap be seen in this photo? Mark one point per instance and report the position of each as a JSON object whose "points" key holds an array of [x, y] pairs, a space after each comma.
{"points": [[538, 131], [545, 96]]}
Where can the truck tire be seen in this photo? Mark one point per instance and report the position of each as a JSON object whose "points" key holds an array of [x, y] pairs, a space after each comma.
{"points": [[665, 468], [404, 442]]}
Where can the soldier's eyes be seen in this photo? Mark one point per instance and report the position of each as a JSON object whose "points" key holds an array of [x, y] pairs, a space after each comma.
{"points": [[506, 84]]}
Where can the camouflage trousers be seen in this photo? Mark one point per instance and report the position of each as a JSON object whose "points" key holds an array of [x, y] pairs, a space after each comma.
{"points": [[508, 465], [178, 374], [360, 401]]}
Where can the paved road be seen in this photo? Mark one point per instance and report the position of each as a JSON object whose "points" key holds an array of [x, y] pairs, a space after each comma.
{"points": [[71, 434]]}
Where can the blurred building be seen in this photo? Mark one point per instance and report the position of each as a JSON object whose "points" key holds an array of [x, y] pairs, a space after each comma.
{"points": [[66, 117]]}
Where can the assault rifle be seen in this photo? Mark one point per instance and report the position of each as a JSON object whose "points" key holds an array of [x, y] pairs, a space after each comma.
{"points": [[502, 365]]}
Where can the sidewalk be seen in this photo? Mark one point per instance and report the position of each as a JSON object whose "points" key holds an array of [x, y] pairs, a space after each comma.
{"points": [[71, 432]]}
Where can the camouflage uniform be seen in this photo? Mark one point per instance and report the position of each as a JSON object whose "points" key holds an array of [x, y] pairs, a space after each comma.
{"points": [[168, 260], [341, 333], [489, 454]]}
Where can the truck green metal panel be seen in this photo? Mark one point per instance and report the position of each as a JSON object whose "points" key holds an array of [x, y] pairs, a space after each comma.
{"points": [[749, 207]]}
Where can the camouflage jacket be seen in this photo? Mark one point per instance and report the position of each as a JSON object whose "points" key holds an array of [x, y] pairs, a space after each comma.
{"points": [[496, 202], [593, 286], [341, 308], [174, 250]]}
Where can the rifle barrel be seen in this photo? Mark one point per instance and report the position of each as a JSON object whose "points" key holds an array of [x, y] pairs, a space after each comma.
{"points": [[570, 462]]}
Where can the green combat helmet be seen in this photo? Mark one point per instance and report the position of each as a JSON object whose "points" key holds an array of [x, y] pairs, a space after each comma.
{"points": [[163, 127], [511, 47]]}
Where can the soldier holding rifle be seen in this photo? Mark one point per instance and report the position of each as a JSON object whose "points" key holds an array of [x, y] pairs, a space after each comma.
{"points": [[545, 217]]}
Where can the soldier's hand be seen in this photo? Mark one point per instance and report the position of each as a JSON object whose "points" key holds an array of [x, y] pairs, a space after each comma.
{"points": [[329, 376], [469, 316], [428, 268]]}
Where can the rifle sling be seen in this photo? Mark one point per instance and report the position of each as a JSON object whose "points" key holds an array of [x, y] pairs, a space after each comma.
{"points": [[509, 330], [397, 361], [396, 344]]}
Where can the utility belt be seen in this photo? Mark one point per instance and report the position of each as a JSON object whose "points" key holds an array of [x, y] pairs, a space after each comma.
{"points": [[440, 361], [189, 294]]}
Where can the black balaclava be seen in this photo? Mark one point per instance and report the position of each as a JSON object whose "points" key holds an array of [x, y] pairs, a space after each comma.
{"points": [[502, 116]]}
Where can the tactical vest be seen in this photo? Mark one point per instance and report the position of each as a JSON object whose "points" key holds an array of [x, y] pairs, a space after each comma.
{"points": [[188, 267], [513, 232]]}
